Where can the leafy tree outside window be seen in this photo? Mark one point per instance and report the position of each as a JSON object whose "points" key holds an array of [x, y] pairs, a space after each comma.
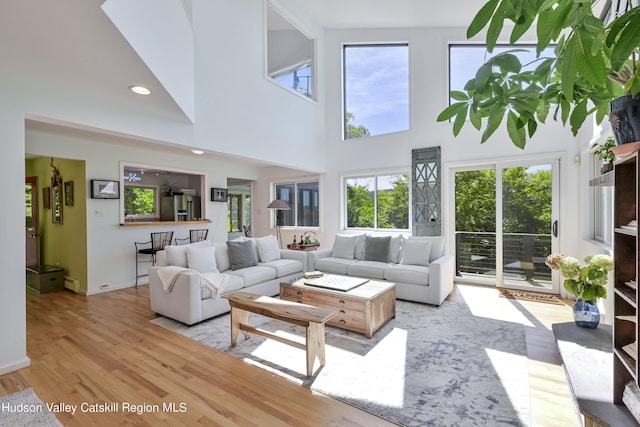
{"points": [[140, 201], [378, 202]]}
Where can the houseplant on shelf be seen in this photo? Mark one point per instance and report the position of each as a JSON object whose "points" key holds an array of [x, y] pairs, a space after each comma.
{"points": [[593, 71], [587, 283], [604, 153]]}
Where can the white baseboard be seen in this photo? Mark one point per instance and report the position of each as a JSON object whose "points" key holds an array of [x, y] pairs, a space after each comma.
{"points": [[24, 363]]}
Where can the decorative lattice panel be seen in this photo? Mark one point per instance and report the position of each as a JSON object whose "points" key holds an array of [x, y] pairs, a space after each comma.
{"points": [[426, 192]]}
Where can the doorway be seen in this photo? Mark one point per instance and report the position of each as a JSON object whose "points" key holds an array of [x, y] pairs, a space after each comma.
{"points": [[32, 236], [238, 208], [506, 224]]}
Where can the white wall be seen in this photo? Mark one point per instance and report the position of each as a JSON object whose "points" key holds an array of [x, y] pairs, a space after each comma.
{"points": [[13, 342], [242, 111]]}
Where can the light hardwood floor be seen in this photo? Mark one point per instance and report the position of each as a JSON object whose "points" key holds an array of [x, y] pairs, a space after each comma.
{"points": [[103, 348]]}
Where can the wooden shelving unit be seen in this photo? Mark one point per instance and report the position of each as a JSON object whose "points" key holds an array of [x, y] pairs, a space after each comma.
{"points": [[625, 249]]}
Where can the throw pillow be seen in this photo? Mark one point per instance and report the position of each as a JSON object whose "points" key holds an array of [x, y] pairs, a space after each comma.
{"points": [[394, 249], [176, 255], [241, 255], [377, 248], [415, 252], [437, 245], [202, 259], [268, 249], [249, 239], [359, 249], [344, 246]]}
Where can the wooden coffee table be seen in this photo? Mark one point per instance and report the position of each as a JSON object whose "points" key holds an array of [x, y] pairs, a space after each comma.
{"points": [[311, 318], [363, 309]]}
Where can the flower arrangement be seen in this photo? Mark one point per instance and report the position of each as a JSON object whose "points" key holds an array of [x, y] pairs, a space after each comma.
{"points": [[586, 283]]}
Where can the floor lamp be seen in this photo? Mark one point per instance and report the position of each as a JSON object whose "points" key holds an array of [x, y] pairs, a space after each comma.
{"points": [[278, 205]]}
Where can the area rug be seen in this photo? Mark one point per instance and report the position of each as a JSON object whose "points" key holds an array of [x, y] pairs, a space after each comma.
{"points": [[25, 408], [428, 366], [531, 296]]}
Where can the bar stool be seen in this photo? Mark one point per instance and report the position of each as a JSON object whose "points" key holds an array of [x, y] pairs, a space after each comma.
{"points": [[198, 235], [194, 236], [157, 243]]}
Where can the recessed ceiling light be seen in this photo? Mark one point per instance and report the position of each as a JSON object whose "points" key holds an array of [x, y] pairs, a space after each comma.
{"points": [[140, 90], [197, 151]]}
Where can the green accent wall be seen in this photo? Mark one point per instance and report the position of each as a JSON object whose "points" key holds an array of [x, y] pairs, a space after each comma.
{"points": [[63, 244]]}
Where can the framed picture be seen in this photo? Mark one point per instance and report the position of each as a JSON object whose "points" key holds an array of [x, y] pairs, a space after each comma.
{"points": [[68, 193], [46, 197], [104, 189], [218, 194]]}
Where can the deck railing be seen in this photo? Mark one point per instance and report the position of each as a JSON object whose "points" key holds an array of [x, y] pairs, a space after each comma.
{"points": [[524, 254]]}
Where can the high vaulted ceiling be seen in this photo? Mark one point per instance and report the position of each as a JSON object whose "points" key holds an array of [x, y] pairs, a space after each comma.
{"points": [[73, 44], [391, 13]]}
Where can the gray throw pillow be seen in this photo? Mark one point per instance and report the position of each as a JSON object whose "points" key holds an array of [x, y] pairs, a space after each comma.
{"points": [[377, 248], [241, 255]]}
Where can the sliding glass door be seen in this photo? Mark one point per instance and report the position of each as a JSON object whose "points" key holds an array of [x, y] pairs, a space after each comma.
{"points": [[506, 224]]}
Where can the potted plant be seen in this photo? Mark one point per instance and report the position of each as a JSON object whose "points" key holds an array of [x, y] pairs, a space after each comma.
{"points": [[604, 153], [593, 71], [587, 283]]}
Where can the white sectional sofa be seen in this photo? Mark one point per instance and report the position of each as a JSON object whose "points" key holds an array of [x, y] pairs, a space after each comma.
{"points": [[256, 265], [419, 266]]}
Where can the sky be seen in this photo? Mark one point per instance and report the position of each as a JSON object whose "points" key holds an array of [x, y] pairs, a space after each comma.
{"points": [[377, 80], [377, 87]]}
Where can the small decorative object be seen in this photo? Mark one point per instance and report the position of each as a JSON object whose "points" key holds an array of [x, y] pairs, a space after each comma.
{"points": [[105, 189], [68, 193], [586, 283], [218, 194], [604, 153], [309, 238]]}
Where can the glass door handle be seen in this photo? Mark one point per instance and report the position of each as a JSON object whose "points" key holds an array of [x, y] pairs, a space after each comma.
{"points": [[554, 229]]}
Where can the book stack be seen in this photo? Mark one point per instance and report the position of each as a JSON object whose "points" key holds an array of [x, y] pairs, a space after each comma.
{"points": [[313, 274]]}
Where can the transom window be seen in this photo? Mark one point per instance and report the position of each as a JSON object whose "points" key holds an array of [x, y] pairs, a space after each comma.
{"points": [[376, 89], [377, 201], [304, 200]]}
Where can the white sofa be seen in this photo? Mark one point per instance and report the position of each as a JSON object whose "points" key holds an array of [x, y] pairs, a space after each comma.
{"points": [[189, 302], [419, 266]]}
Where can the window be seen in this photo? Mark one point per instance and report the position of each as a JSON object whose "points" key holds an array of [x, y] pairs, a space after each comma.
{"points": [[464, 60], [290, 53], [602, 214], [376, 89], [378, 202], [140, 202], [304, 200]]}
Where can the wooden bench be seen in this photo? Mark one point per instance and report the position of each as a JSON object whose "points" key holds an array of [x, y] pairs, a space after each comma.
{"points": [[310, 317]]}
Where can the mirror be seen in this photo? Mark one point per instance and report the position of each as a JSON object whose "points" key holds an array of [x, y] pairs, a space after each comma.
{"points": [[56, 198], [290, 54]]}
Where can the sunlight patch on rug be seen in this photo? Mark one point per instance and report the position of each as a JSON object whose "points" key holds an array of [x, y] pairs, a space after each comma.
{"points": [[428, 366]]}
